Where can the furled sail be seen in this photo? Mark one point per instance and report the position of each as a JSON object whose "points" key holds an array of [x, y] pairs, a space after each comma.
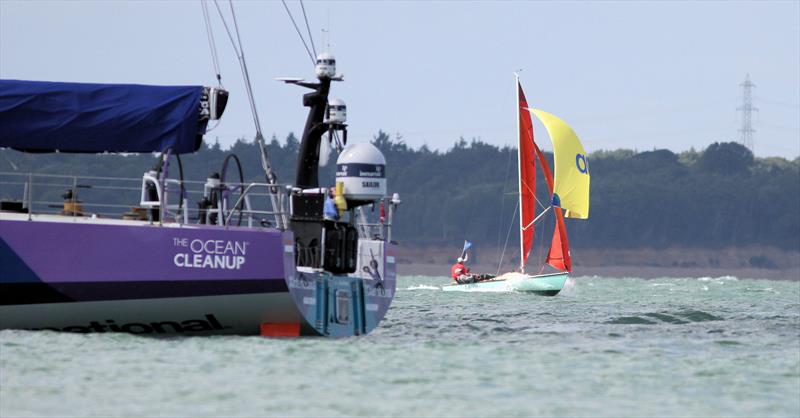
{"points": [[571, 187], [39, 116], [527, 177]]}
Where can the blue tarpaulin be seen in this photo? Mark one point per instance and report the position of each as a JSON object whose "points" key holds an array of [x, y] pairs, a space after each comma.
{"points": [[40, 116]]}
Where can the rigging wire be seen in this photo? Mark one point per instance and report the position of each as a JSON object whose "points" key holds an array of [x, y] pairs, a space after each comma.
{"points": [[502, 207], [541, 206], [508, 234], [259, 139], [338, 142], [308, 28], [246, 74], [541, 257], [227, 29], [313, 61], [502, 198], [212, 45]]}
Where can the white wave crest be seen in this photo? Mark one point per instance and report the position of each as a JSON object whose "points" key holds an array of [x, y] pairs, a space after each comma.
{"points": [[720, 280], [570, 287], [423, 287]]}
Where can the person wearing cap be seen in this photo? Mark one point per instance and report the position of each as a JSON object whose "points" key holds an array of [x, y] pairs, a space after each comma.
{"points": [[459, 270], [461, 274]]}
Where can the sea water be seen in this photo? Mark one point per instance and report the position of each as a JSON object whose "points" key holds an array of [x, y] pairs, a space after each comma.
{"points": [[604, 347]]}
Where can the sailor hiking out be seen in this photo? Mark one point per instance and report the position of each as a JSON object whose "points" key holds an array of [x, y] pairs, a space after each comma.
{"points": [[461, 274], [459, 270]]}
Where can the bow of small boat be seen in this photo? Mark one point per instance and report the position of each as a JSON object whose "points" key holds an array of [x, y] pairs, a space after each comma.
{"points": [[543, 284]]}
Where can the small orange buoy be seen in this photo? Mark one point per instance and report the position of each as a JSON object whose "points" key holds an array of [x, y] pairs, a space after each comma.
{"points": [[280, 329]]}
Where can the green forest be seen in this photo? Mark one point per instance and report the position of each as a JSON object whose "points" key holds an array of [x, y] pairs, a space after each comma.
{"points": [[717, 197]]}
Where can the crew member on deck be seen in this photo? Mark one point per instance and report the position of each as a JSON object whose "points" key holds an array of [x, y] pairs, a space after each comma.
{"points": [[329, 211], [459, 270]]}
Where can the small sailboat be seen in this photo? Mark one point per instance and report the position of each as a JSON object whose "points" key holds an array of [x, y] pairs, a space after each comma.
{"points": [[569, 198]]}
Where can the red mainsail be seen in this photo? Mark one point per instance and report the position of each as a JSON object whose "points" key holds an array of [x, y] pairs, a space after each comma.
{"points": [[527, 177], [558, 257]]}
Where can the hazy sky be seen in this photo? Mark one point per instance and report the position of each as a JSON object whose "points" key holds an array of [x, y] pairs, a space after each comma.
{"points": [[624, 74]]}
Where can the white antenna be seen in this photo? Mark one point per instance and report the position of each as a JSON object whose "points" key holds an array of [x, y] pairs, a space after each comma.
{"points": [[325, 39], [326, 33]]}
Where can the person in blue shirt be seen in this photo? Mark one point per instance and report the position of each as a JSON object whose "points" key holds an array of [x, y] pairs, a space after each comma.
{"points": [[329, 211]]}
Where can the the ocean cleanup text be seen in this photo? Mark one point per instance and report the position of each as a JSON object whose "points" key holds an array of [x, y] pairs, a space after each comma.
{"points": [[213, 253]]}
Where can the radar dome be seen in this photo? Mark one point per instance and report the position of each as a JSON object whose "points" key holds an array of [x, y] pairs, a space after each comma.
{"points": [[362, 170], [337, 111], [326, 65]]}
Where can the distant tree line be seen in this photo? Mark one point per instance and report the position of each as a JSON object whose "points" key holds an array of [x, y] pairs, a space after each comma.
{"points": [[718, 197]]}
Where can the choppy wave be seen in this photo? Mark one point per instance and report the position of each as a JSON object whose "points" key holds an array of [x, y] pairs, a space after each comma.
{"points": [[678, 348], [680, 317], [762, 289]]}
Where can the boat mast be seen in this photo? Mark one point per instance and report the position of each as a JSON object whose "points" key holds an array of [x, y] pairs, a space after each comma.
{"points": [[308, 159], [519, 177]]}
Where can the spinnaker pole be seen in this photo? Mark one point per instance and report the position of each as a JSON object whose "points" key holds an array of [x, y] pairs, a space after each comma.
{"points": [[533, 222]]}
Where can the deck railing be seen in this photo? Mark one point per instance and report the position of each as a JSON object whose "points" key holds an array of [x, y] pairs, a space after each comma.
{"points": [[154, 200], [172, 200]]}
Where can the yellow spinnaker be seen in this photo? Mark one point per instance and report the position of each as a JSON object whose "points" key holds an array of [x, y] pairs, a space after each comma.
{"points": [[571, 188]]}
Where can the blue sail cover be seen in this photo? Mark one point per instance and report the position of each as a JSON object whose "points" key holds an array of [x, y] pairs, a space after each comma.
{"points": [[40, 116]]}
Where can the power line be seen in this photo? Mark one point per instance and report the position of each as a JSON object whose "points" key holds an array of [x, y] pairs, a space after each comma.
{"points": [[776, 102]]}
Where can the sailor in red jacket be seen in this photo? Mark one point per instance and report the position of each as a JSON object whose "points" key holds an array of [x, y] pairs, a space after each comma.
{"points": [[459, 269]]}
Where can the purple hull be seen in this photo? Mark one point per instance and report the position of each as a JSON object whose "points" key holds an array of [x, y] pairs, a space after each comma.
{"points": [[88, 262], [96, 276], [81, 276], [85, 252]]}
